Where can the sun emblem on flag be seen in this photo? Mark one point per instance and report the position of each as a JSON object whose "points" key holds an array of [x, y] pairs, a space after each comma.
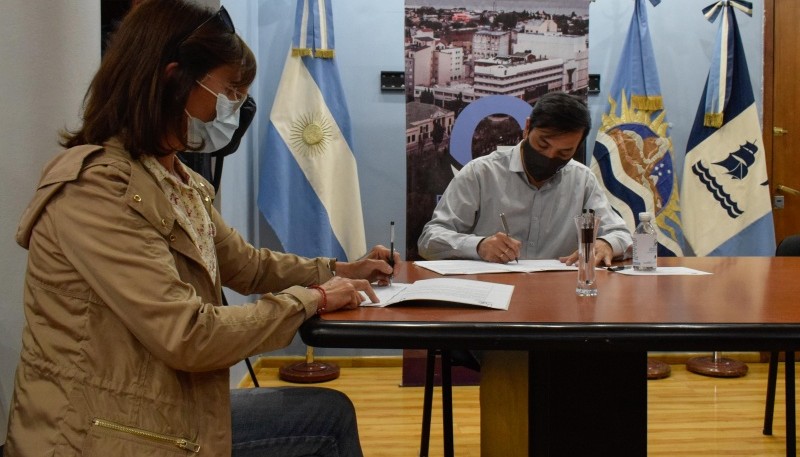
{"points": [[311, 133]]}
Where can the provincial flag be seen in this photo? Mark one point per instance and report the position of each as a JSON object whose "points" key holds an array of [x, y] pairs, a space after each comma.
{"points": [[633, 150], [727, 209], [308, 187]]}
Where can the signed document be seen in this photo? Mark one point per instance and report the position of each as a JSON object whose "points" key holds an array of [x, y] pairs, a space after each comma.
{"points": [[450, 290], [474, 267]]}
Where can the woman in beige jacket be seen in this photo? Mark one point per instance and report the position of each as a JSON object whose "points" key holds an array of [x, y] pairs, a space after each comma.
{"points": [[126, 350]]}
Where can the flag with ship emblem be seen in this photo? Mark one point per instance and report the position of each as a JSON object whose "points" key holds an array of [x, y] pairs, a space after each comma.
{"points": [[633, 150], [308, 187], [727, 209]]}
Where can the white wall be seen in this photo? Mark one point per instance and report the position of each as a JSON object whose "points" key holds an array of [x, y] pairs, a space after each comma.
{"points": [[49, 51]]}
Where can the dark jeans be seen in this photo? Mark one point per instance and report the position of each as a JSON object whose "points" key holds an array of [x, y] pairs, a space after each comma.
{"points": [[293, 422]]}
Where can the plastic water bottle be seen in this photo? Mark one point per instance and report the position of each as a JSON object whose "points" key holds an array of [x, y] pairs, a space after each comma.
{"points": [[645, 247]]}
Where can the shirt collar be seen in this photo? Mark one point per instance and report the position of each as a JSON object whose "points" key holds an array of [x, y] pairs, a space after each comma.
{"points": [[516, 167], [516, 160]]}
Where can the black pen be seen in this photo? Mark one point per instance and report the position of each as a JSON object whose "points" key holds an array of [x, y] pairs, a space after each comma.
{"points": [[616, 268], [391, 249], [505, 228]]}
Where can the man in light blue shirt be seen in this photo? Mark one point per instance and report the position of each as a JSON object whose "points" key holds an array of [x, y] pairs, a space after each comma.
{"points": [[539, 189]]}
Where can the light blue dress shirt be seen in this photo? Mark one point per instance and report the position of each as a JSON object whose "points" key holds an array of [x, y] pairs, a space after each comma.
{"points": [[541, 218]]}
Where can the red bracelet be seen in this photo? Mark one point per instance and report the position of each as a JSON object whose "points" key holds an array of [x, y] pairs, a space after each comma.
{"points": [[321, 309]]}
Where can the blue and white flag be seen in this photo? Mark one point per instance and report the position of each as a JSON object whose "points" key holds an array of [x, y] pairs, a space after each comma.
{"points": [[727, 209], [633, 150], [308, 190]]}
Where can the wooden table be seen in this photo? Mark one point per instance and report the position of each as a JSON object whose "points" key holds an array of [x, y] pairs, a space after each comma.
{"points": [[588, 356]]}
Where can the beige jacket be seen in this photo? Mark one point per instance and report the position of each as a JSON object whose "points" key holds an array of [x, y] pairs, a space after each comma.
{"points": [[126, 350]]}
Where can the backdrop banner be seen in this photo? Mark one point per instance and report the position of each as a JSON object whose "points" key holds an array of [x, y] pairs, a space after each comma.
{"points": [[473, 70]]}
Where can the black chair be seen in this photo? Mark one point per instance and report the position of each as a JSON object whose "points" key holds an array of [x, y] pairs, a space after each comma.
{"points": [[790, 246], [449, 358], [209, 166]]}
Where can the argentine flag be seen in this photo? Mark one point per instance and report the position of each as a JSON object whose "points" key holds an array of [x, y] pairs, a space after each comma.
{"points": [[727, 209], [633, 151], [308, 188]]}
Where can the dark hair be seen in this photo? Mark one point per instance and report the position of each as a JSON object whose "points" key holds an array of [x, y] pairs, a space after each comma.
{"points": [[132, 97], [561, 113]]}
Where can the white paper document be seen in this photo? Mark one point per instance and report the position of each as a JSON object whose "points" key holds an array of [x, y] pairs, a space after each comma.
{"points": [[663, 271], [462, 291], [473, 267]]}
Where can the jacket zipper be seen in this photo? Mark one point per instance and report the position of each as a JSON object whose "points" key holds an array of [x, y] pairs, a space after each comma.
{"points": [[173, 440]]}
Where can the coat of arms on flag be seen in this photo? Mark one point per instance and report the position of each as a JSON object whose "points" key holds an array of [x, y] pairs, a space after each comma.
{"points": [[308, 190], [727, 208], [633, 151]]}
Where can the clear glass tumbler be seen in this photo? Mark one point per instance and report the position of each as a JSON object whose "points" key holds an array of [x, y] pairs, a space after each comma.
{"points": [[586, 225]]}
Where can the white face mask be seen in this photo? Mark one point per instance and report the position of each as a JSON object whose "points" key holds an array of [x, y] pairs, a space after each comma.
{"points": [[216, 133]]}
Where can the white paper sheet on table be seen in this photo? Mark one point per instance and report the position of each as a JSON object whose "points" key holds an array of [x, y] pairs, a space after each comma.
{"points": [[473, 267], [664, 271]]}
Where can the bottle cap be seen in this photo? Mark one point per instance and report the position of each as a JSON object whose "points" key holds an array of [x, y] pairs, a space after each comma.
{"points": [[645, 217]]}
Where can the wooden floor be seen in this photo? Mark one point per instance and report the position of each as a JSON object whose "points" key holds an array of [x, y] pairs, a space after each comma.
{"points": [[689, 415]]}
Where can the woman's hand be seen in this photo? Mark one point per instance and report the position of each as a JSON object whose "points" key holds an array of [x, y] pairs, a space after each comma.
{"points": [[345, 293], [374, 267]]}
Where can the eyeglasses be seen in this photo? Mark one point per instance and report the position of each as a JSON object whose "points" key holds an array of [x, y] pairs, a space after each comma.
{"points": [[220, 16], [231, 93]]}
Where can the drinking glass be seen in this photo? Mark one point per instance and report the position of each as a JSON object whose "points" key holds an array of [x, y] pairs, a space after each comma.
{"points": [[586, 225]]}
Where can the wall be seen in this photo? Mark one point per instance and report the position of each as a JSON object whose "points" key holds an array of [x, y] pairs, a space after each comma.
{"points": [[49, 52], [683, 42], [369, 38], [45, 74]]}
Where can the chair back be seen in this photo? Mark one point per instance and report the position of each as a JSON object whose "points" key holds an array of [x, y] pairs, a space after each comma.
{"points": [[790, 246]]}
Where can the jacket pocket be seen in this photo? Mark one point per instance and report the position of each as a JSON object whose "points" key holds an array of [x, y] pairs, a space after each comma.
{"points": [[107, 436]]}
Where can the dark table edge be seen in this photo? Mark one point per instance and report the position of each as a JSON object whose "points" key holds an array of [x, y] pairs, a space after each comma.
{"points": [[320, 332]]}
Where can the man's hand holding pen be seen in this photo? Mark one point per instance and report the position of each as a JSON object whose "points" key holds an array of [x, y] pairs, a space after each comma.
{"points": [[499, 248]]}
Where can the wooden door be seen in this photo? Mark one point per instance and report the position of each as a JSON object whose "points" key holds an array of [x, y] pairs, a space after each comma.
{"points": [[782, 111]]}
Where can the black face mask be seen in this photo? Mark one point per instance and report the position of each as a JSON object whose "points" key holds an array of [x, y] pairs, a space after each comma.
{"points": [[541, 168]]}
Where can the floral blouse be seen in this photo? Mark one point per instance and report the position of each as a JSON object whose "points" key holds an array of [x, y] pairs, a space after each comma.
{"points": [[187, 202]]}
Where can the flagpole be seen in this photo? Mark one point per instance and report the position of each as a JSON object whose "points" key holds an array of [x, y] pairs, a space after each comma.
{"points": [[635, 98], [309, 149], [717, 108]]}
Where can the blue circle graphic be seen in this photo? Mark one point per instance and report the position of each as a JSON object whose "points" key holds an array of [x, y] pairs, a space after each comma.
{"points": [[467, 121]]}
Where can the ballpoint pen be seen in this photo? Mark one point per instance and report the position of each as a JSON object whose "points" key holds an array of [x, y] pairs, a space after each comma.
{"points": [[505, 229], [587, 233], [391, 249]]}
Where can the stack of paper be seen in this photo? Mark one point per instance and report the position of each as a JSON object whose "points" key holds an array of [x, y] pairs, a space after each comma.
{"points": [[461, 291]]}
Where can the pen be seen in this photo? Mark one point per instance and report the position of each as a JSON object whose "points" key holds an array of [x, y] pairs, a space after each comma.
{"points": [[505, 229], [616, 268], [391, 249], [587, 232]]}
